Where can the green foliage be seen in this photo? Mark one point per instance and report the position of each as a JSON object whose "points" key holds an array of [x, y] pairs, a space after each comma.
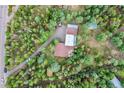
{"points": [[121, 48], [117, 41], [69, 17], [121, 62], [79, 19], [88, 60], [41, 59], [101, 37], [37, 19], [10, 9], [51, 86], [84, 32], [120, 73], [114, 61], [84, 28], [122, 83], [121, 35], [55, 67], [96, 79]]}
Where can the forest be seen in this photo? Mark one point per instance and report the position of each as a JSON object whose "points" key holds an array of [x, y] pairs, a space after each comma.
{"points": [[97, 58]]}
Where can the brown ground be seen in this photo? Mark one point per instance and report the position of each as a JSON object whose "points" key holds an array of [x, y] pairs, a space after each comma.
{"points": [[93, 43], [107, 44]]}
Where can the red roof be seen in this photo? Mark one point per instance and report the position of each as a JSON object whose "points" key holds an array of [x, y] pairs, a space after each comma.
{"points": [[71, 31], [63, 51]]}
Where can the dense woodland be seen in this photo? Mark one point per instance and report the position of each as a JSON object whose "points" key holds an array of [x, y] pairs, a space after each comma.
{"points": [[98, 57]]}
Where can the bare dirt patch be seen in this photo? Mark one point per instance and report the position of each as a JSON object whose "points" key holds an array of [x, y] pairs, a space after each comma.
{"points": [[93, 43], [76, 7], [114, 51]]}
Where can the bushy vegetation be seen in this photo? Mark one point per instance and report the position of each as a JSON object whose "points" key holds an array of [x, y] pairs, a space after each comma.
{"points": [[118, 41], [87, 67]]}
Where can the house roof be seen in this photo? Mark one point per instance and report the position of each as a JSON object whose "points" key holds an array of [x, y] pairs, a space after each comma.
{"points": [[71, 31], [66, 49], [70, 40], [63, 51]]}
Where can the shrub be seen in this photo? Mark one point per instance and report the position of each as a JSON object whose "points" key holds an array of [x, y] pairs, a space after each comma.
{"points": [[37, 19], [88, 60], [101, 37], [55, 67], [79, 19], [121, 48], [121, 35], [117, 41]]}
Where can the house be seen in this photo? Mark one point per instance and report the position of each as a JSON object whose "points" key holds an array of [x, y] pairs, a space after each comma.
{"points": [[66, 49]]}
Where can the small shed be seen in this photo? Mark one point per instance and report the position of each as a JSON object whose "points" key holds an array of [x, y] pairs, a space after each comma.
{"points": [[92, 26], [116, 82]]}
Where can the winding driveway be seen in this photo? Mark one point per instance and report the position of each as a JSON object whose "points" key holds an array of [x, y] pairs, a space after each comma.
{"points": [[59, 35]]}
